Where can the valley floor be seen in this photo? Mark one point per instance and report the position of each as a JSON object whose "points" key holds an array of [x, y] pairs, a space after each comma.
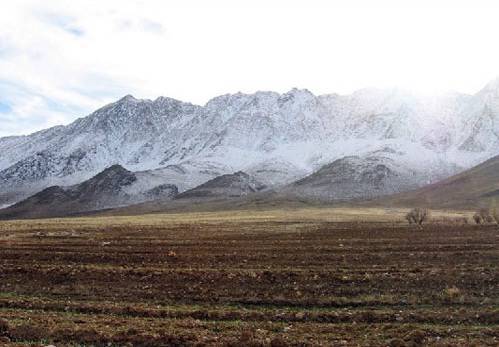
{"points": [[339, 277]]}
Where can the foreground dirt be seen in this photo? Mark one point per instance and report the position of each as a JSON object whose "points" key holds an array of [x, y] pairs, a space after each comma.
{"points": [[248, 282]]}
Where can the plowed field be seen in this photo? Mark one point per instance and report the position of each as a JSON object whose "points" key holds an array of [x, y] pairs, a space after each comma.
{"points": [[255, 280]]}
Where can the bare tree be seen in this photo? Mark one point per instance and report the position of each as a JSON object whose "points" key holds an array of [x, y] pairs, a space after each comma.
{"points": [[478, 218], [409, 217], [485, 215], [494, 212], [495, 215], [417, 216]]}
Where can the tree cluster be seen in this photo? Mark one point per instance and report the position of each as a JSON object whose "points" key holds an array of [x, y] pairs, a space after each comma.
{"points": [[486, 216]]}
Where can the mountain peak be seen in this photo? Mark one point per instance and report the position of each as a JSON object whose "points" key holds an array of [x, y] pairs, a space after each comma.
{"points": [[115, 168], [492, 86], [165, 99], [241, 174], [300, 92], [114, 175], [296, 95], [228, 185], [115, 171], [128, 98]]}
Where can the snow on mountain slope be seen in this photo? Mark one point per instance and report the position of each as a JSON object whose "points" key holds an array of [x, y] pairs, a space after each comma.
{"points": [[481, 121], [113, 187], [381, 172], [233, 185], [275, 172], [277, 138]]}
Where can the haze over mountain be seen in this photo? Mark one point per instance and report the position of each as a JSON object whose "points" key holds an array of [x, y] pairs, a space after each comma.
{"points": [[476, 187], [391, 140]]}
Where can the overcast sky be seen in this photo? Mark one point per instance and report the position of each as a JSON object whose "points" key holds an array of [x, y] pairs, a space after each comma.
{"points": [[60, 60]]}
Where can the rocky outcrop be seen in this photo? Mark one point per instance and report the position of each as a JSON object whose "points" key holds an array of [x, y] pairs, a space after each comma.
{"points": [[238, 184], [112, 187]]}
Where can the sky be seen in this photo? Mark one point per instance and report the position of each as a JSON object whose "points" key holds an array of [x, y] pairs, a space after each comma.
{"points": [[60, 60]]}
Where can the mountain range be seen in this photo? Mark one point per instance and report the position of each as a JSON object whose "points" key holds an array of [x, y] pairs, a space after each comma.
{"points": [[476, 187], [370, 143], [113, 187]]}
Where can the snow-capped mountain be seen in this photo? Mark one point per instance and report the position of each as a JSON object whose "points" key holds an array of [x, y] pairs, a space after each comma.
{"points": [[113, 187], [277, 138]]}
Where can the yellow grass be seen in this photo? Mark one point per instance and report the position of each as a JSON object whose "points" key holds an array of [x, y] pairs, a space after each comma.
{"points": [[309, 214]]}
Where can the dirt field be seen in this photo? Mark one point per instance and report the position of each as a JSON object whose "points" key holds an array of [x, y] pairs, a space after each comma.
{"points": [[267, 278]]}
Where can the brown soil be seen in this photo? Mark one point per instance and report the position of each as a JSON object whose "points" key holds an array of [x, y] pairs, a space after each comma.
{"points": [[249, 283]]}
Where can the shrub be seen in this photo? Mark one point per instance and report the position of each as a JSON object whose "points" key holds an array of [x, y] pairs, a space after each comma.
{"points": [[495, 215], [409, 218], [486, 215], [477, 218], [417, 216], [452, 292]]}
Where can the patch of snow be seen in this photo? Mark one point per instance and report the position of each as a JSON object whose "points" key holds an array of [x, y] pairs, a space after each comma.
{"points": [[278, 137]]}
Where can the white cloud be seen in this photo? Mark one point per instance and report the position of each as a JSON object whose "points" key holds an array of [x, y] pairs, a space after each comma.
{"points": [[62, 59]]}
